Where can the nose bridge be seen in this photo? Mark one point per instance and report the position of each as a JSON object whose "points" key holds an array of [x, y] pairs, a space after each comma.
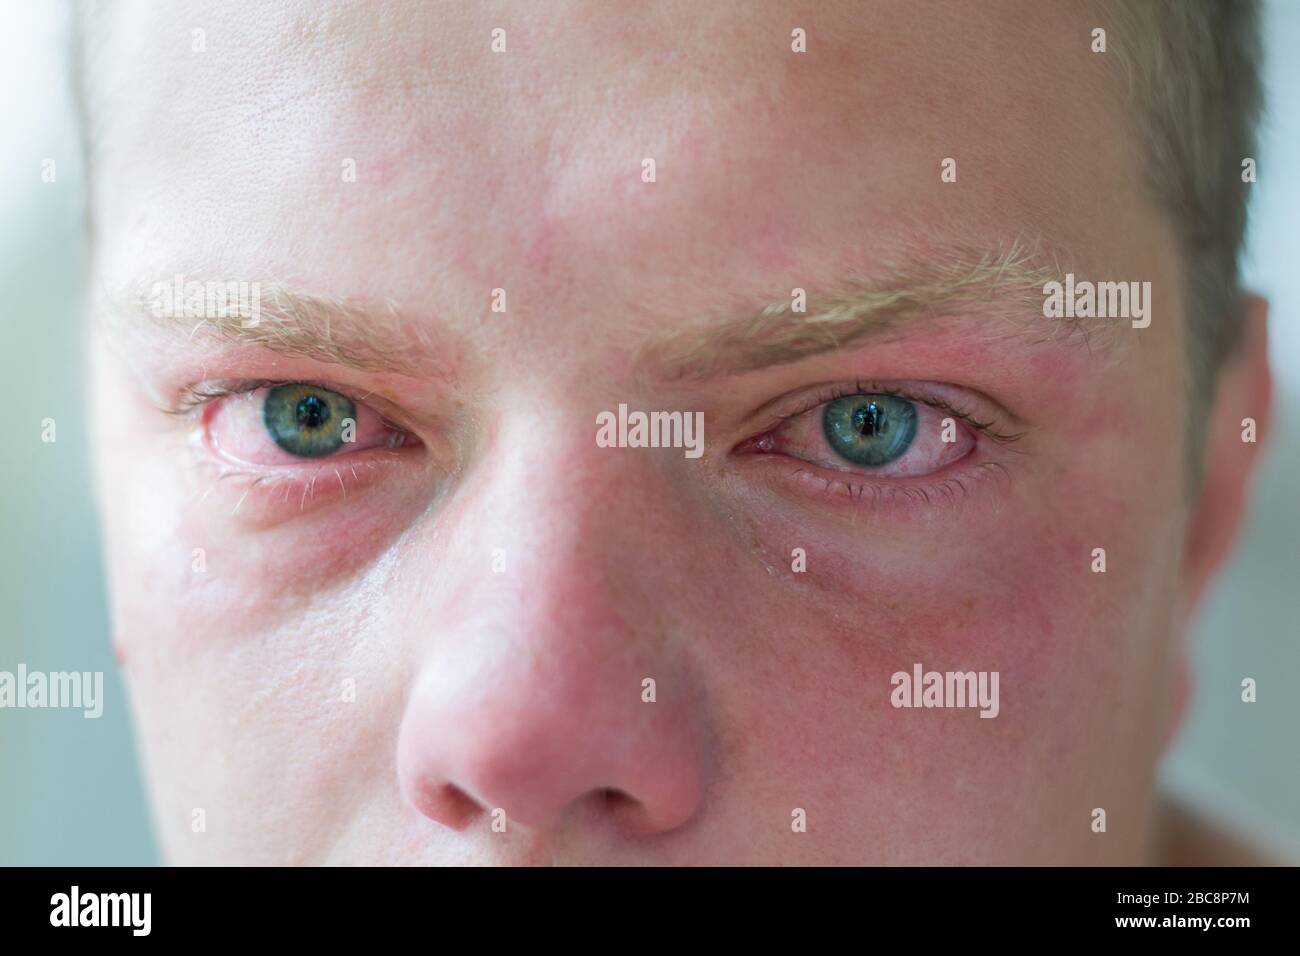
{"points": [[531, 696], [581, 529], [558, 518]]}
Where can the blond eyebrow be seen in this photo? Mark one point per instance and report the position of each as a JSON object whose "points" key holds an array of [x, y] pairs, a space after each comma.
{"points": [[1007, 281], [290, 322]]}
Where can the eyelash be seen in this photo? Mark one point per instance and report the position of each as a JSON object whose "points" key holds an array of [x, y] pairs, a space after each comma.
{"points": [[250, 480], [194, 397], [808, 401]]}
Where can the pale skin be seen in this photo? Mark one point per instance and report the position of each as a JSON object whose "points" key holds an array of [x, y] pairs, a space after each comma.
{"points": [[519, 686]]}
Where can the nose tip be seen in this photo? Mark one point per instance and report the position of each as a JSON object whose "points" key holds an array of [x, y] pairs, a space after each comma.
{"points": [[488, 769], [530, 763]]}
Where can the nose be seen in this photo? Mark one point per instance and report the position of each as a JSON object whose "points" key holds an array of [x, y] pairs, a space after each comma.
{"points": [[534, 737], [548, 688]]}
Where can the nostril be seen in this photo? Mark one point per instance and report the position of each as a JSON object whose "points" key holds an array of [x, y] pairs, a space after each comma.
{"points": [[447, 804], [629, 812], [616, 800], [460, 807]]}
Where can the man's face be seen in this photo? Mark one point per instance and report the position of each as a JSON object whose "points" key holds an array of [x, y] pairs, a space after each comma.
{"points": [[432, 644]]}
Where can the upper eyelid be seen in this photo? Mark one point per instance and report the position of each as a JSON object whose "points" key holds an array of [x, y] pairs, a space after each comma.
{"points": [[809, 399], [202, 394], [198, 395]]}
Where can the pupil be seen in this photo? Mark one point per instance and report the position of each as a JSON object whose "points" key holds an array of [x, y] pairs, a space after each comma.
{"points": [[869, 420], [312, 412]]}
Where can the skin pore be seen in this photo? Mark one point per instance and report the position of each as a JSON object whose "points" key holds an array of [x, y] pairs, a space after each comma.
{"points": [[456, 612]]}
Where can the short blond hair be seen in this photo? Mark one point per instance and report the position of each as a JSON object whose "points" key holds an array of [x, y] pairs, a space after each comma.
{"points": [[1190, 72]]}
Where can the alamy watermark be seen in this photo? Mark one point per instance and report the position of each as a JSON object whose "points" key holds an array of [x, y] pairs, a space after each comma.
{"points": [[74, 690], [1098, 300], [130, 910], [923, 688], [207, 300], [651, 430]]}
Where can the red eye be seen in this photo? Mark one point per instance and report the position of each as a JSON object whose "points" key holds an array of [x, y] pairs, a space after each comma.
{"points": [[285, 424], [873, 434]]}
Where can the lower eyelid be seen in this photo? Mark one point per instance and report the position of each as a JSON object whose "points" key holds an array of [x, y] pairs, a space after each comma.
{"points": [[954, 486], [267, 496]]}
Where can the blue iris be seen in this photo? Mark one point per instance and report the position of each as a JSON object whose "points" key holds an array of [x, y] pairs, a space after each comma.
{"points": [[870, 430], [305, 420]]}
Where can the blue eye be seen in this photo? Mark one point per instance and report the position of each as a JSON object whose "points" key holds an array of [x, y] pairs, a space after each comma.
{"points": [[305, 420], [869, 429]]}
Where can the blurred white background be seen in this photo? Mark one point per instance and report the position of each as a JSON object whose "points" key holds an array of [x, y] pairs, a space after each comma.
{"points": [[70, 789]]}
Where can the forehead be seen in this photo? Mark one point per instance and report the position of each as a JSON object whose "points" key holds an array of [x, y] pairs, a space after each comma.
{"points": [[233, 148]]}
